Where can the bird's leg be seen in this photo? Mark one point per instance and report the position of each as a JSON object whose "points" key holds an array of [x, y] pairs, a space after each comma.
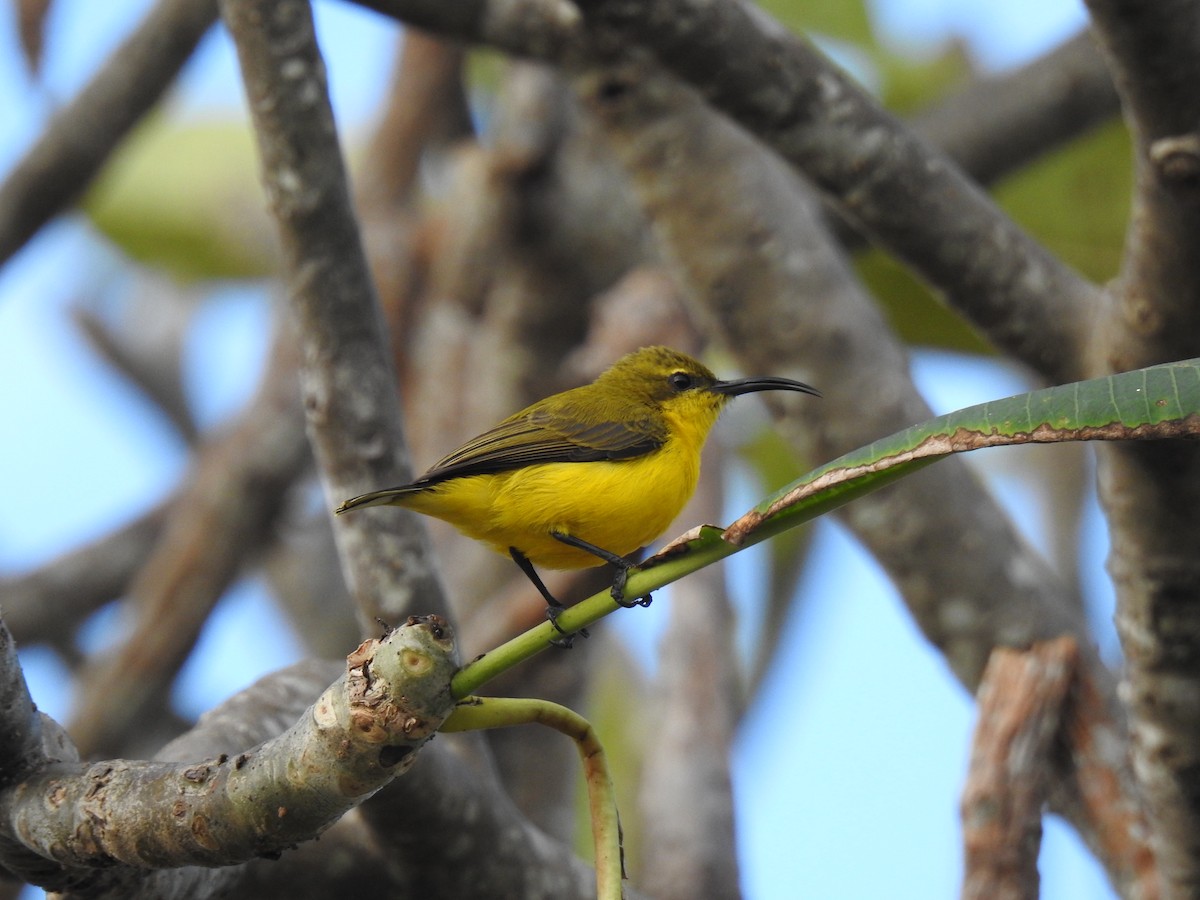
{"points": [[553, 607], [623, 566]]}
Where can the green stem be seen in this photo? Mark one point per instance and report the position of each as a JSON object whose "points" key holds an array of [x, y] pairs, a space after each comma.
{"points": [[475, 713]]}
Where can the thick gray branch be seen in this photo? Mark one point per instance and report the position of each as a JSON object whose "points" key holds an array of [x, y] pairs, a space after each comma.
{"points": [[358, 736], [910, 198], [1152, 492], [347, 380], [1154, 51]]}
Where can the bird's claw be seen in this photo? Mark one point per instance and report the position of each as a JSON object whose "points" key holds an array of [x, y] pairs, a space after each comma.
{"points": [[567, 641], [618, 592], [620, 600]]}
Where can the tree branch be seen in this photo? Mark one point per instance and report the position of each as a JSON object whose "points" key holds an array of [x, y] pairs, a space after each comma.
{"points": [[48, 602], [29, 741], [427, 108], [539, 29], [997, 124], [912, 200], [236, 491], [1154, 50], [1021, 702], [1152, 492], [357, 737], [347, 382]]}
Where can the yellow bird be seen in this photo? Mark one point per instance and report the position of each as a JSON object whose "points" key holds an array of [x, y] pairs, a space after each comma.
{"points": [[586, 476]]}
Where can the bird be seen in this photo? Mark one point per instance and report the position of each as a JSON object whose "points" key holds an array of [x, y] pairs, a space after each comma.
{"points": [[584, 477]]}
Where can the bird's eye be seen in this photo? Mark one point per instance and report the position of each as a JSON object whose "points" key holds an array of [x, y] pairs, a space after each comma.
{"points": [[680, 381]]}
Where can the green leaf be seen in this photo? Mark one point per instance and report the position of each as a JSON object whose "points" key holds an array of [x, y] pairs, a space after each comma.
{"points": [[187, 199], [1153, 403]]}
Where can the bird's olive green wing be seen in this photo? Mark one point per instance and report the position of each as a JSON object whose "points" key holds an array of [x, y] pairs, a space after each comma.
{"points": [[538, 435]]}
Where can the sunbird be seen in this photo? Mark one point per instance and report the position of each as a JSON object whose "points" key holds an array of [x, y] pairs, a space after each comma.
{"points": [[586, 476]]}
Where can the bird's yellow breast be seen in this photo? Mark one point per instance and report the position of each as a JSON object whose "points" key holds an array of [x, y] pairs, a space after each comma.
{"points": [[618, 506]]}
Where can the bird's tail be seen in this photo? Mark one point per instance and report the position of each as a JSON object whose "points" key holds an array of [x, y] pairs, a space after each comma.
{"points": [[389, 497]]}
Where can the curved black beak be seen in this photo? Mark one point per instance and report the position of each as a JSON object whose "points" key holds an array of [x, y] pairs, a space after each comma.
{"points": [[761, 383]]}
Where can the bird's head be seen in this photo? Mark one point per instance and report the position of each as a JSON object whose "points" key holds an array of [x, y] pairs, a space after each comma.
{"points": [[683, 387]]}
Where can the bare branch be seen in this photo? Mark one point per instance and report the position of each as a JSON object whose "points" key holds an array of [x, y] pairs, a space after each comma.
{"points": [[236, 491], [541, 29], [1021, 709], [912, 200], [426, 108], [69, 153], [1100, 759], [28, 742], [357, 737], [1154, 51], [31, 26], [48, 603], [20, 727], [149, 353], [347, 382], [259, 713], [1152, 492], [997, 124]]}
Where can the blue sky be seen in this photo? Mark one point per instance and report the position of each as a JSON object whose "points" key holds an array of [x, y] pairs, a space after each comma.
{"points": [[848, 770]]}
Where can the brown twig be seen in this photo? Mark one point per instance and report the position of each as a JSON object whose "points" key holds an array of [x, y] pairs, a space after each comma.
{"points": [[31, 26], [426, 110], [1022, 701], [1099, 761], [236, 491], [146, 347], [50, 602]]}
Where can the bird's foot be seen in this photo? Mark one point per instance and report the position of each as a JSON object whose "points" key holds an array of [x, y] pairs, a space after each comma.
{"points": [[567, 641], [630, 604], [618, 591]]}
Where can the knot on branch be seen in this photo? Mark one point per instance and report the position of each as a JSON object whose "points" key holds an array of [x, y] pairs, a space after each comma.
{"points": [[1177, 160]]}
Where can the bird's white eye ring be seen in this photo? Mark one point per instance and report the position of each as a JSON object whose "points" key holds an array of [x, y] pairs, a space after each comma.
{"points": [[680, 381]]}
